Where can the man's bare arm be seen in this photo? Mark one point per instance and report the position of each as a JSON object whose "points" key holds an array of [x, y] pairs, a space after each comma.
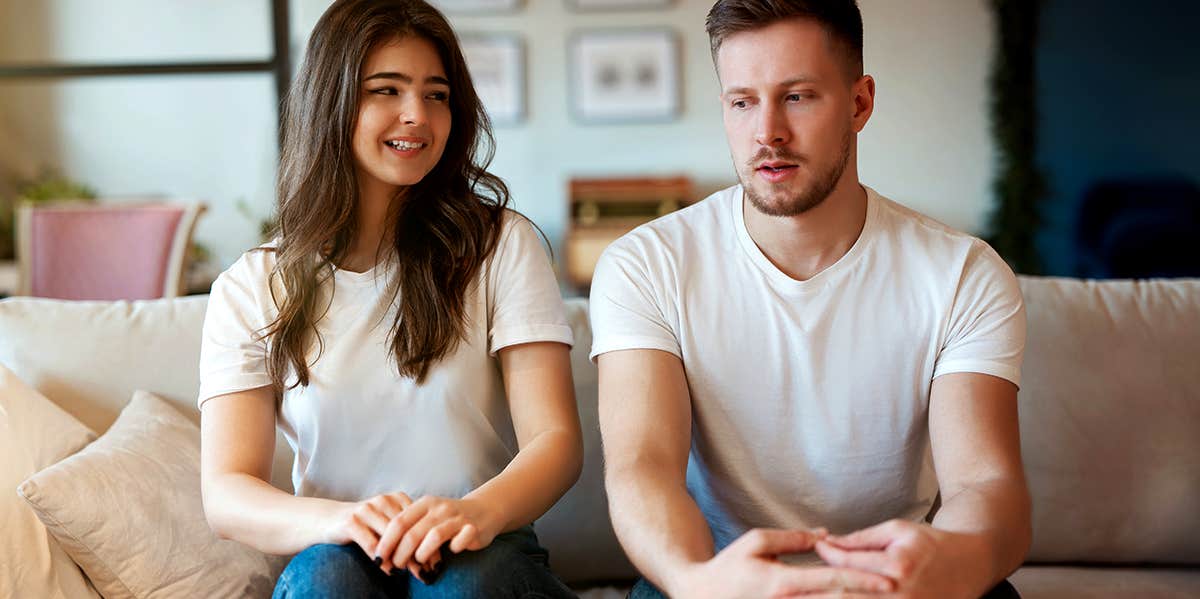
{"points": [[974, 430], [982, 531], [646, 424]]}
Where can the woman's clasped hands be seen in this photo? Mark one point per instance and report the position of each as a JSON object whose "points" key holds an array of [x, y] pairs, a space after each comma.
{"points": [[400, 533]]}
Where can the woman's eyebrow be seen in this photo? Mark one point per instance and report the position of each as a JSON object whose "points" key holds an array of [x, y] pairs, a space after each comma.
{"points": [[407, 79]]}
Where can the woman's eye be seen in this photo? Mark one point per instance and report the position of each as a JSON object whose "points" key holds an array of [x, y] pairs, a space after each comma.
{"points": [[386, 91], [439, 96]]}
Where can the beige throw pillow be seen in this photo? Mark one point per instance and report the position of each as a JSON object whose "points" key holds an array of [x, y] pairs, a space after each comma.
{"points": [[34, 433], [128, 510]]}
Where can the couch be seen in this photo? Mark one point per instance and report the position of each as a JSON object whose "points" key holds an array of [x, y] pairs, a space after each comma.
{"points": [[1109, 410]]}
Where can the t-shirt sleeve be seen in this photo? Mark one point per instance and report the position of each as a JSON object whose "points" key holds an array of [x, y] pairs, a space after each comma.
{"points": [[524, 302], [986, 331], [232, 358], [625, 309]]}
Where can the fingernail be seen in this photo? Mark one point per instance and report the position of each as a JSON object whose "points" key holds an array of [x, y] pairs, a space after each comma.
{"points": [[431, 575], [378, 561]]}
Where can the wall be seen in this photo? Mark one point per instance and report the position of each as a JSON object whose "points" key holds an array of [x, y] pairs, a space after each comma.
{"points": [[212, 137], [1118, 86]]}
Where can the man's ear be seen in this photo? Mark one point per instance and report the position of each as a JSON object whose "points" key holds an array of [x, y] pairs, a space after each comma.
{"points": [[863, 96]]}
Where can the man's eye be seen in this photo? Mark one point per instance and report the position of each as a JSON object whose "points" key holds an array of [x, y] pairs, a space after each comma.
{"points": [[739, 104]]}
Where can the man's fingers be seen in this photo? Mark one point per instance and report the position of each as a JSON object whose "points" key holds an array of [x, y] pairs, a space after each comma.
{"points": [[799, 579], [869, 560], [875, 537], [775, 541]]}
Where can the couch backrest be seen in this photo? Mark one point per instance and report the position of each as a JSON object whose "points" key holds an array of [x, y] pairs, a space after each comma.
{"points": [[89, 358], [1110, 410], [1110, 419]]}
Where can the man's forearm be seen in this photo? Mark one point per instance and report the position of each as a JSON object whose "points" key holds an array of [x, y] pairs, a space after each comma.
{"points": [[658, 523], [997, 514]]}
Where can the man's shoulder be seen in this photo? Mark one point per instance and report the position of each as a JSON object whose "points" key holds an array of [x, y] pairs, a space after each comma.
{"points": [[921, 236]]}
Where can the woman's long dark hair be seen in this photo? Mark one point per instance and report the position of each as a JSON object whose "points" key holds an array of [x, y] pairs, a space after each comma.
{"points": [[445, 227]]}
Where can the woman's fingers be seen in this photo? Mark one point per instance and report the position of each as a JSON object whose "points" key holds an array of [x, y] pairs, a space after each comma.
{"points": [[361, 534], [432, 543], [373, 517], [467, 538]]}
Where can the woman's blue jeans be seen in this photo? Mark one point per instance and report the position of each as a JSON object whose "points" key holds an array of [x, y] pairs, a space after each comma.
{"points": [[514, 566]]}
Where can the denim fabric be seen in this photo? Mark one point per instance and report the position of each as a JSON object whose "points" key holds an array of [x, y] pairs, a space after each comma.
{"points": [[645, 590], [514, 566]]}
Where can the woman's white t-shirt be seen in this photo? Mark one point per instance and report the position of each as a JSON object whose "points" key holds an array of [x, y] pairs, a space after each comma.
{"points": [[360, 428]]}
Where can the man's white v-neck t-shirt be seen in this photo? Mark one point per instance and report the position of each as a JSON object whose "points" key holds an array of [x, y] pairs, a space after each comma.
{"points": [[809, 398]]}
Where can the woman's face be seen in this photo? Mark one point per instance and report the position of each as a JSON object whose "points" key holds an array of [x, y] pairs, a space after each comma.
{"points": [[403, 115]]}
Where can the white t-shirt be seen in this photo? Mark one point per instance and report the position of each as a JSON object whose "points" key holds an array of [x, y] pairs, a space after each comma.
{"points": [[359, 428], [809, 398]]}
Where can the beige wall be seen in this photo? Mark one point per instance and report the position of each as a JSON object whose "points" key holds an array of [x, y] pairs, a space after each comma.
{"points": [[213, 137]]}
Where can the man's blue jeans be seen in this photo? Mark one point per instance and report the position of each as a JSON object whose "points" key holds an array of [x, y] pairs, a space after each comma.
{"points": [[514, 566], [645, 590]]}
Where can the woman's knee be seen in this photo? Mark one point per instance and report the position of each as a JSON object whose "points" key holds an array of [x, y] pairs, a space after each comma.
{"points": [[326, 571], [500, 570]]}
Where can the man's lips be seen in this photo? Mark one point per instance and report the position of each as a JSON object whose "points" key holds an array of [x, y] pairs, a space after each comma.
{"points": [[775, 166]]}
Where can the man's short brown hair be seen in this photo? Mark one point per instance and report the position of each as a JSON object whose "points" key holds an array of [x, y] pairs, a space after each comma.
{"points": [[841, 19]]}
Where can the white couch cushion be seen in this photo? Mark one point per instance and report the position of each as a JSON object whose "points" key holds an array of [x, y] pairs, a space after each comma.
{"points": [[118, 347], [127, 509], [34, 434], [1110, 420], [89, 357]]}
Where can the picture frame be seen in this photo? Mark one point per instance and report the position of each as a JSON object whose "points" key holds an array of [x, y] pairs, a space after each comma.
{"points": [[477, 6], [497, 65], [611, 5], [624, 75]]}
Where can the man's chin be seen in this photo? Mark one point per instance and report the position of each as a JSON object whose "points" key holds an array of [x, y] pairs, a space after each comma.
{"points": [[777, 202]]}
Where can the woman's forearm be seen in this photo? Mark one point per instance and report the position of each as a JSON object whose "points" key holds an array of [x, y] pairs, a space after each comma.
{"points": [[535, 479], [247, 509]]}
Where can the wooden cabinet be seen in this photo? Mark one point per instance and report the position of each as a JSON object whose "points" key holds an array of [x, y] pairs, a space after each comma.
{"points": [[601, 210]]}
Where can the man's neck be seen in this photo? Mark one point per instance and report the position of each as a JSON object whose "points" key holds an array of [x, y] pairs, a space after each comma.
{"points": [[802, 246]]}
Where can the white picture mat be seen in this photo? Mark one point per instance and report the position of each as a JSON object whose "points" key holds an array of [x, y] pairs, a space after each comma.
{"points": [[484, 6], [618, 4], [625, 75], [497, 64]]}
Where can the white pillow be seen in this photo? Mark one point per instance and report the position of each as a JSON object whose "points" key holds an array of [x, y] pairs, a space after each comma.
{"points": [[128, 510], [34, 433]]}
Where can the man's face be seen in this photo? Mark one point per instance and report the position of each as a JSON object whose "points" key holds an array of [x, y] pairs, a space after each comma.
{"points": [[790, 114]]}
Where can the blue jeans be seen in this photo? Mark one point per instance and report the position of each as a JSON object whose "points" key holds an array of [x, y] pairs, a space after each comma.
{"points": [[645, 590], [514, 566]]}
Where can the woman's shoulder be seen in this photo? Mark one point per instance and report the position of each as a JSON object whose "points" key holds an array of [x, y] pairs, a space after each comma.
{"points": [[252, 269]]}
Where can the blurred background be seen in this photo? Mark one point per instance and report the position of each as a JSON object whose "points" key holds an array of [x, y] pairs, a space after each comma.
{"points": [[1061, 131]]}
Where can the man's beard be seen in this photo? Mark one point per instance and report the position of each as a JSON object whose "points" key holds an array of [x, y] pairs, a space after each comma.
{"points": [[806, 198]]}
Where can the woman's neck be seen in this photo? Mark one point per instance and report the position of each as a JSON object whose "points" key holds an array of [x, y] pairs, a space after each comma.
{"points": [[374, 227]]}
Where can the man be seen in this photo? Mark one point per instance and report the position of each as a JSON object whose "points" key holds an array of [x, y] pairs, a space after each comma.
{"points": [[795, 367]]}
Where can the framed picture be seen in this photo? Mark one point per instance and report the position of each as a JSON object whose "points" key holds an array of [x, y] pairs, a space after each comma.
{"points": [[588, 5], [624, 75], [477, 6], [497, 64]]}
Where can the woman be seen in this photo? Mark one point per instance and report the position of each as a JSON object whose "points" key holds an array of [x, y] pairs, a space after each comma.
{"points": [[369, 333]]}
